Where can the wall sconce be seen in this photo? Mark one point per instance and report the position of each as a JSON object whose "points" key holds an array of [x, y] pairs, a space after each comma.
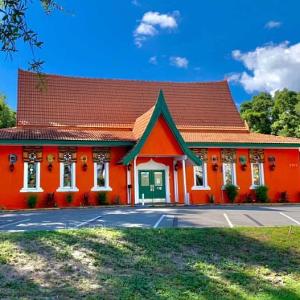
{"points": [[176, 166], [50, 160], [129, 167], [214, 160], [243, 162], [84, 159], [272, 164], [12, 158]]}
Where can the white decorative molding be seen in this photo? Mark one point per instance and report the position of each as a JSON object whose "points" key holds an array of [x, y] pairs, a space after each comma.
{"points": [[151, 165], [62, 188], [261, 175], [106, 187], [205, 186], [38, 188]]}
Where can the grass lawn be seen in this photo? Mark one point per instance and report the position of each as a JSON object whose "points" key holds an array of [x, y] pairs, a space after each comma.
{"points": [[241, 263]]}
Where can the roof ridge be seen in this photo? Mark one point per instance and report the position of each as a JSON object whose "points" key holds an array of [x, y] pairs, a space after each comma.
{"points": [[126, 80]]}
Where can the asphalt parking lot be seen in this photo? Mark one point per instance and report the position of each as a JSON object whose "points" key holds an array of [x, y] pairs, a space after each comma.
{"points": [[149, 217]]}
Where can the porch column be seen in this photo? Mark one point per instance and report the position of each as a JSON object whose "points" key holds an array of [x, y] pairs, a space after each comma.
{"points": [[128, 184], [175, 174], [136, 191], [184, 182]]}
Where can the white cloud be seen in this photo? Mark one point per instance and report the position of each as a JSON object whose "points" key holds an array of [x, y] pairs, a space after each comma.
{"points": [[273, 24], [179, 62], [269, 68], [151, 23], [153, 60]]}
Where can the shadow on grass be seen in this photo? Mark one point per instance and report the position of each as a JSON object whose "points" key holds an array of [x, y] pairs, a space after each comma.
{"points": [[152, 264]]}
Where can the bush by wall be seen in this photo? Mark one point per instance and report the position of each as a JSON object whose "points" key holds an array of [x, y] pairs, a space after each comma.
{"points": [[32, 201], [231, 191], [261, 194]]}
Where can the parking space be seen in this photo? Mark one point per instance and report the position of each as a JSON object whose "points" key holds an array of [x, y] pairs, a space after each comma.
{"points": [[149, 217]]}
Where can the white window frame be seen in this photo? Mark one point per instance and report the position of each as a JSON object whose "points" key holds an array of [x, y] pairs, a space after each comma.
{"points": [[205, 186], [106, 187], [38, 188], [62, 188], [234, 179], [261, 176]]}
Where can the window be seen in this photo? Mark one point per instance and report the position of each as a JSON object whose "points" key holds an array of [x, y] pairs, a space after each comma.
{"points": [[101, 176], [229, 176], [67, 177], [200, 177], [257, 172], [31, 177]]}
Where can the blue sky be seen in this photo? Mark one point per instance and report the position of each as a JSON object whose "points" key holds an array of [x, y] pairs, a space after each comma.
{"points": [[254, 43]]}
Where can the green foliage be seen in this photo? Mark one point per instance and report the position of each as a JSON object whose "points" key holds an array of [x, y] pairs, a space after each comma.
{"points": [[277, 115], [69, 198], [14, 27], [117, 200], [261, 193], [231, 191], [258, 113], [283, 197], [102, 198], [211, 199], [7, 115], [32, 201]]}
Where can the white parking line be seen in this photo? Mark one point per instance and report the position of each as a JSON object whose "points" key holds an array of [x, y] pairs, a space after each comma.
{"points": [[13, 223], [228, 221], [158, 221], [295, 221], [87, 222]]}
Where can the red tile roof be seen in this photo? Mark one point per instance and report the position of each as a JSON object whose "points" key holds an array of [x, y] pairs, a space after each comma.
{"points": [[86, 102], [27, 133], [95, 110], [239, 137]]}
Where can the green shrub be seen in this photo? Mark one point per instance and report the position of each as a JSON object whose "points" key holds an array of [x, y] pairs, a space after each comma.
{"points": [[85, 199], [69, 198], [231, 191], [117, 200], [32, 201], [211, 199], [261, 193], [102, 198], [283, 197]]}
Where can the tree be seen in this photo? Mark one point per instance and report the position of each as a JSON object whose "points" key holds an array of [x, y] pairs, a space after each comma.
{"points": [[7, 115], [279, 115], [258, 113], [14, 27], [286, 119]]}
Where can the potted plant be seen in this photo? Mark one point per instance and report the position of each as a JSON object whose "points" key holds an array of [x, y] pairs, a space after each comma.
{"points": [[231, 191]]}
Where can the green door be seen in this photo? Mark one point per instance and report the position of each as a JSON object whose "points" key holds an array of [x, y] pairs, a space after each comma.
{"points": [[152, 185]]}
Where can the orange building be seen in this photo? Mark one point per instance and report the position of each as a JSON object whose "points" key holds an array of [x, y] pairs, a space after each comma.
{"points": [[137, 142]]}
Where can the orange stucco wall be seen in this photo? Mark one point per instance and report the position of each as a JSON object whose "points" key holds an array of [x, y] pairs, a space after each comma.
{"points": [[161, 141], [285, 177], [12, 182]]}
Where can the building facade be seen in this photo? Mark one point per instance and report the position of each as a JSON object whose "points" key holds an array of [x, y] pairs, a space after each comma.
{"points": [[137, 142]]}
